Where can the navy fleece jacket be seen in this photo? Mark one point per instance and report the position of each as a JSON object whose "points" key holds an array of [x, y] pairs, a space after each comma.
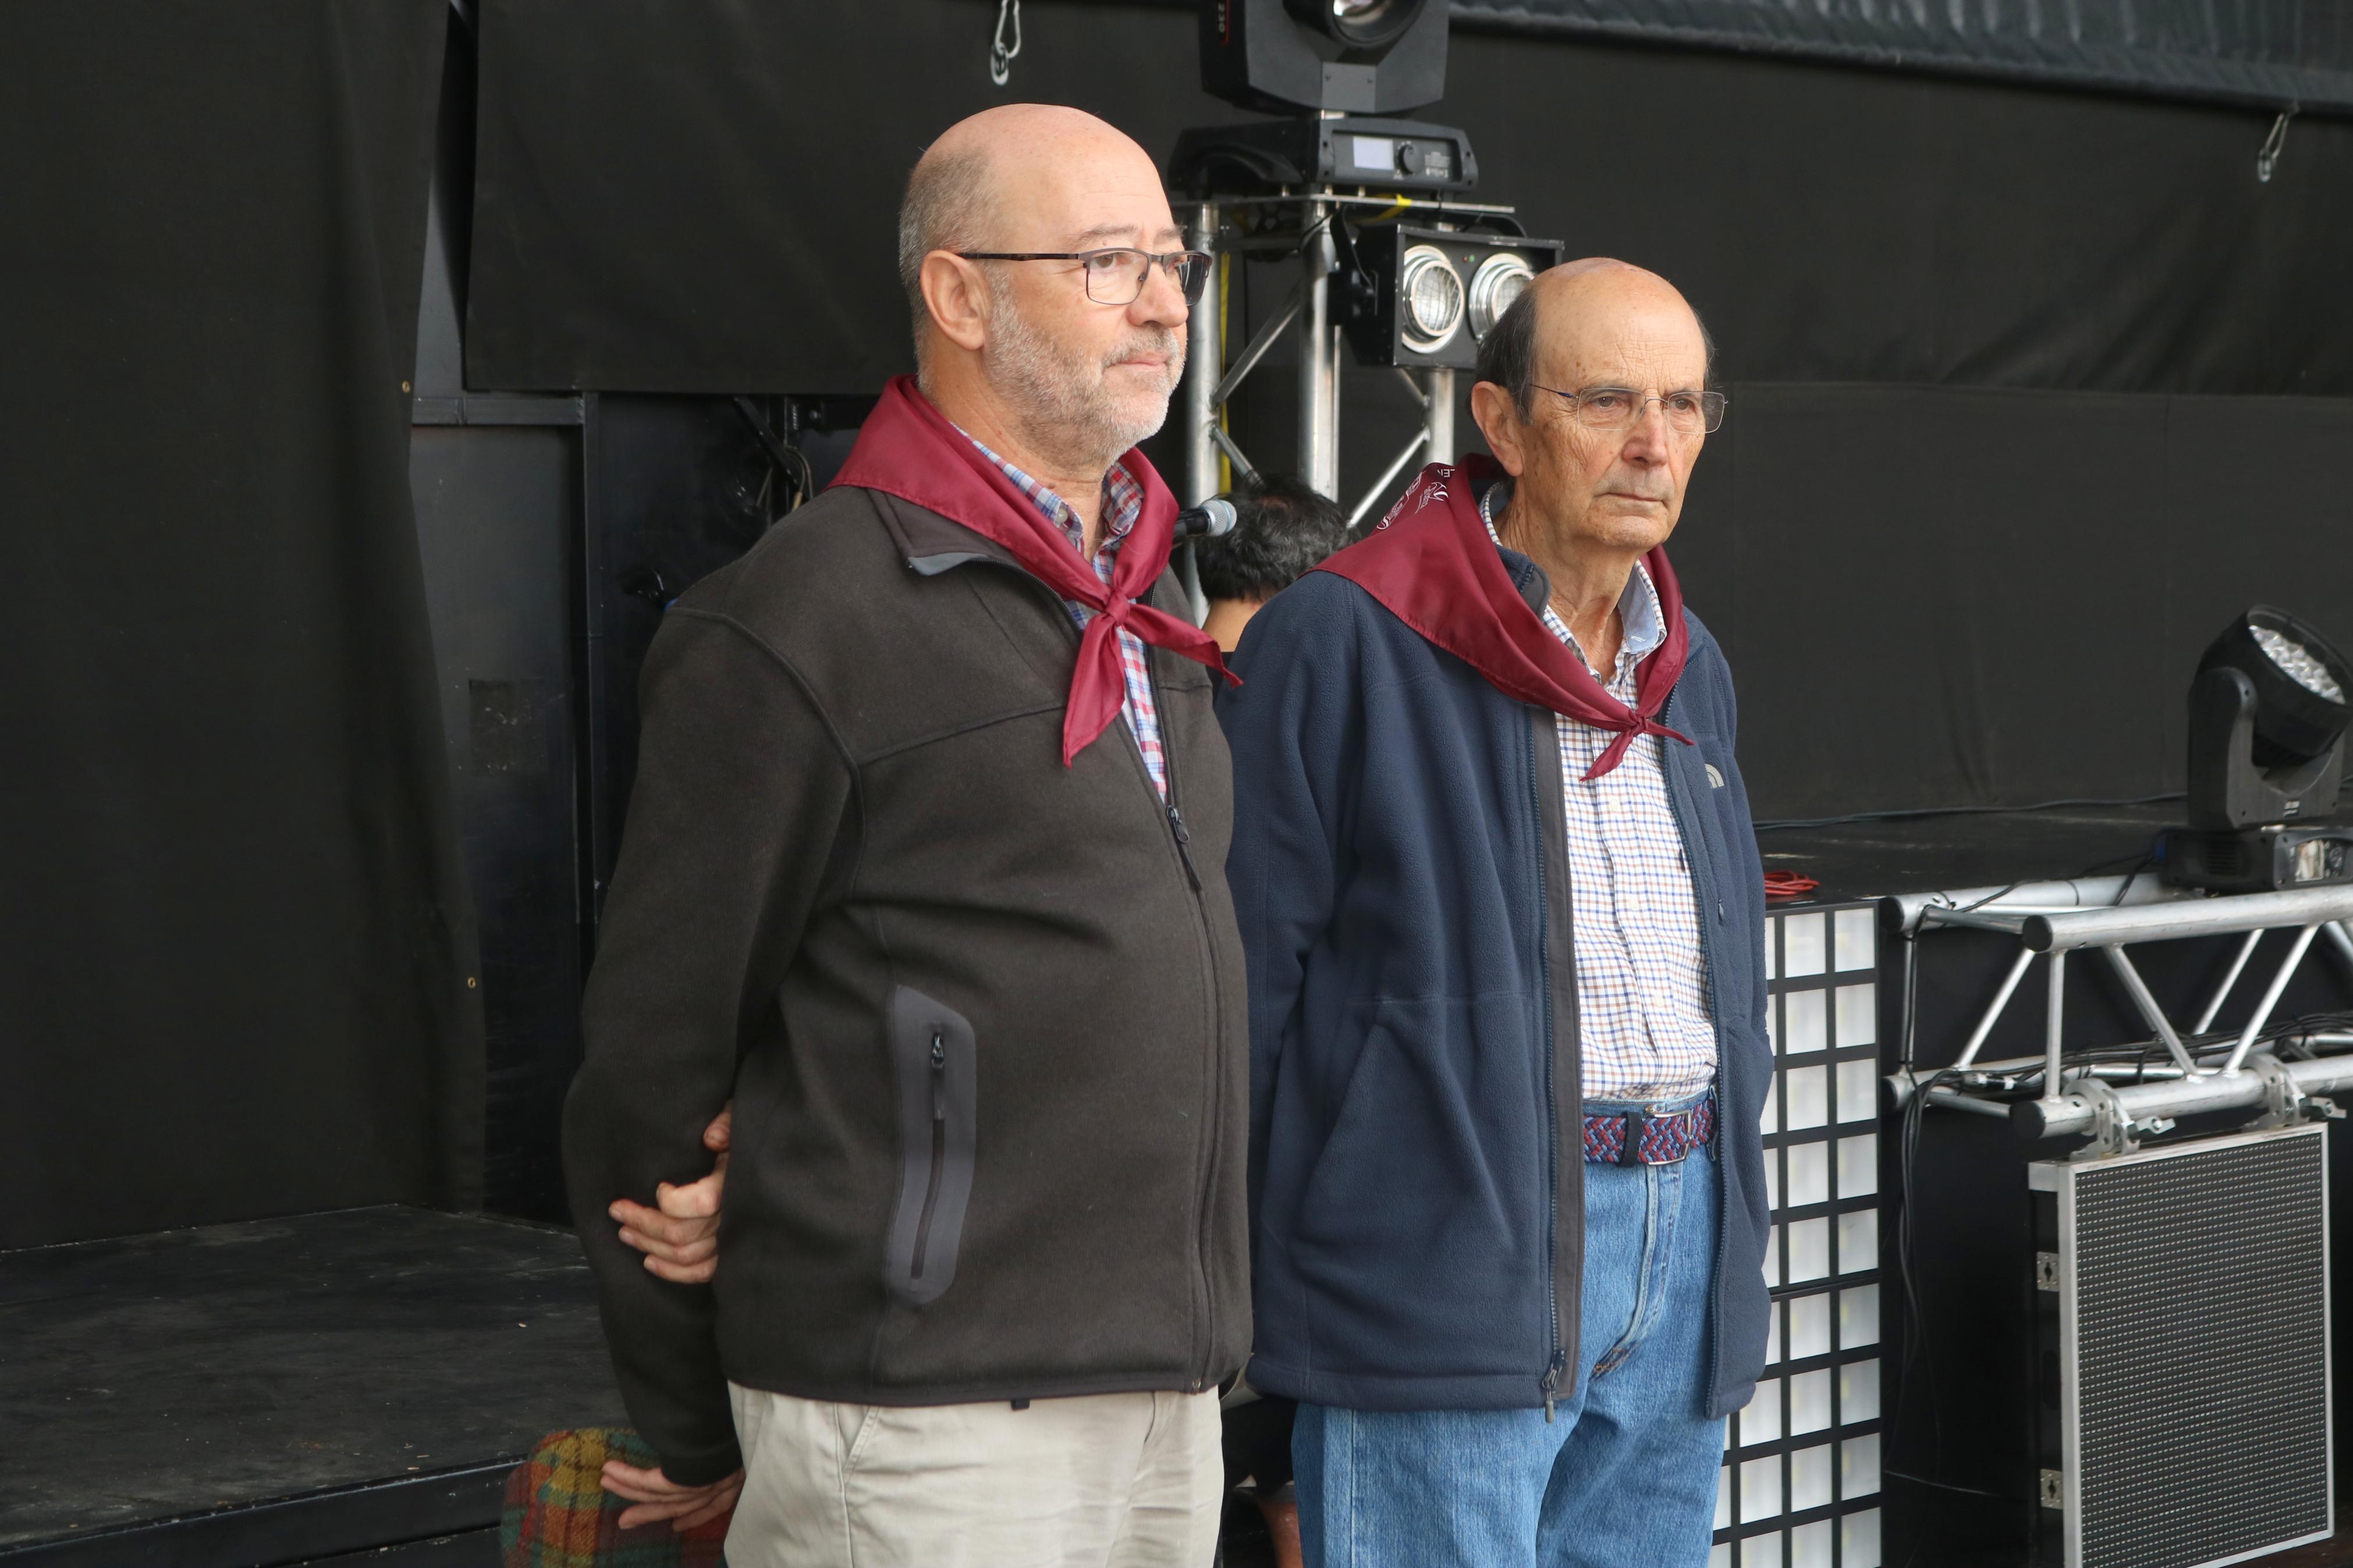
{"points": [[1399, 869]]}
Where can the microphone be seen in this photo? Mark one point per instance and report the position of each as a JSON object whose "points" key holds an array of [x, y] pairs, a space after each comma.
{"points": [[1213, 519]]}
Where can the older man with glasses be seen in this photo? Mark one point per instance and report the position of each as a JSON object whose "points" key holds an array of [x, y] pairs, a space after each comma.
{"points": [[923, 870], [1504, 917]]}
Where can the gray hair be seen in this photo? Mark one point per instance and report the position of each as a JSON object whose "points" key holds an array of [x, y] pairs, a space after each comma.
{"points": [[1508, 357], [943, 211]]}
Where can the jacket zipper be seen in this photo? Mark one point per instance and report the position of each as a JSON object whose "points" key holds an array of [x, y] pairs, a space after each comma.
{"points": [[1183, 839], [1684, 820], [939, 1151], [1558, 1363]]}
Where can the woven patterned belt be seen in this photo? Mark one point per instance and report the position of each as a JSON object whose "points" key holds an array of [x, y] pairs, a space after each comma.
{"points": [[1634, 1138]]}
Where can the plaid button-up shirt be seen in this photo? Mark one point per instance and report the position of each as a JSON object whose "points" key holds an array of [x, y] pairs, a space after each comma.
{"points": [[1641, 977], [1123, 504]]}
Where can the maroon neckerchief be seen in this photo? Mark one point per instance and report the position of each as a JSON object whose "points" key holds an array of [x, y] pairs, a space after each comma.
{"points": [[1431, 564], [908, 448]]}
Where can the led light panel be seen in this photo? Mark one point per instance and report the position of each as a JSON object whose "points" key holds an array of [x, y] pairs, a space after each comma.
{"points": [[1800, 1481]]}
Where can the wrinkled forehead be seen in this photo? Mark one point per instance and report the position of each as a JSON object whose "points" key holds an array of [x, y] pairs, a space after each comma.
{"points": [[1599, 339], [1081, 197]]}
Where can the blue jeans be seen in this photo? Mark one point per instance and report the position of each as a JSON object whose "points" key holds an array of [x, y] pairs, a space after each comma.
{"points": [[1622, 1476]]}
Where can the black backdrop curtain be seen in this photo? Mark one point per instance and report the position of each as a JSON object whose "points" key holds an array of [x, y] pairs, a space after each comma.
{"points": [[233, 971], [700, 198], [2031, 389], [2271, 52]]}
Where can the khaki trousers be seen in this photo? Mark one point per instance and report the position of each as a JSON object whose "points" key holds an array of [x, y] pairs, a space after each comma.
{"points": [[1106, 1480]]}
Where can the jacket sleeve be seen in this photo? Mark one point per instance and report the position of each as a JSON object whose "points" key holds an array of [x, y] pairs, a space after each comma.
{"points": [[740, 798], [1292, 729]]}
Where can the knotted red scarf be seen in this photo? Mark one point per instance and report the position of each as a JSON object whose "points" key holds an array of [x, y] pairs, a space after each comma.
{"points": [[1431, 564], [908, 448]]}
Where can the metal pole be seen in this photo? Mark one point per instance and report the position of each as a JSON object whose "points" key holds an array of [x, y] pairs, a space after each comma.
{"points": [[1388, 476], [2222, 991], [1319, 359], [1204, 338], [1438, 415], [2151, 1014], [2182, 1096], [2052, 1024], [1993, 1010], [2271, 996], [2189, 917]]}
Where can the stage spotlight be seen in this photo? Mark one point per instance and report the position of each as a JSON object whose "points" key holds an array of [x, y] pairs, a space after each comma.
{"points": [[1328, 67], [1431, 292], [1412, 306], [2267, 721], [1359, 24], [1347, 56], [1500, 281]]}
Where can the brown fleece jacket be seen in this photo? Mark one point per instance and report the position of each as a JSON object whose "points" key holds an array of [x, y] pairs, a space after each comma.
{"points": [[982, 1015]]}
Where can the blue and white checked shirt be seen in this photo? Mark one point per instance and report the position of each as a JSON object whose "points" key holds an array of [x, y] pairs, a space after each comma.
{"points": [[1641, 977], [1123, 504]]}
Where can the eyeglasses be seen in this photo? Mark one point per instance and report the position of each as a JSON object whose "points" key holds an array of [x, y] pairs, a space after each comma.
{"points": [[1621, 408], [1117, 276]]}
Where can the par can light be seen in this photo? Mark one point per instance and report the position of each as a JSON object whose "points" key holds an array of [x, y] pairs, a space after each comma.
{"points": [[1414, 302], [1430, 298], [1501, 279]]}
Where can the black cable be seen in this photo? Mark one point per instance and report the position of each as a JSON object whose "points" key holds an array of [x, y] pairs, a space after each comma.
{"points": [[1961, 811], [1948, 1487]]}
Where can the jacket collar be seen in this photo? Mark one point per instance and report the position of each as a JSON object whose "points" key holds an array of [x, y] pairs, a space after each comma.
{"points": [[931, 544]]}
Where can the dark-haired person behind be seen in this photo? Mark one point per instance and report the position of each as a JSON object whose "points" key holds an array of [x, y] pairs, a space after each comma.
{"points": [[1282, 530]]}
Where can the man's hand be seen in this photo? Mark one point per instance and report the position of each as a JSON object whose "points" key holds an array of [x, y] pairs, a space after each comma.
{"points": [[680, 1235], [659, 1498]]}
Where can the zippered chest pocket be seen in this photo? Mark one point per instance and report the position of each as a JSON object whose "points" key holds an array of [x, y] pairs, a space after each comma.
{"points": [[931, 1059]]}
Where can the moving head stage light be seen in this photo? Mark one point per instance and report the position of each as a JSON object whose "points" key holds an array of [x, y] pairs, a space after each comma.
{"points": [[2267, 718], [1322, 63]]}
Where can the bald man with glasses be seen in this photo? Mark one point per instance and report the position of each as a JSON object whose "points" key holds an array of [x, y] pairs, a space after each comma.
{"points": [[1504, 916], [923, 870]]}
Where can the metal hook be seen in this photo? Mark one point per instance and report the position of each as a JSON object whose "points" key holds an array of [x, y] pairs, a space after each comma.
{"points": [[1000, 53], [2268, 158]]}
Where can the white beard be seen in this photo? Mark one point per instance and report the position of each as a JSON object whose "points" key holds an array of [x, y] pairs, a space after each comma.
{"points": [[1068, 412]]}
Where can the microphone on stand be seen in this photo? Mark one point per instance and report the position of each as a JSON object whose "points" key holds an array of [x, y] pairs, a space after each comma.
{"points": [[1213, 519]]}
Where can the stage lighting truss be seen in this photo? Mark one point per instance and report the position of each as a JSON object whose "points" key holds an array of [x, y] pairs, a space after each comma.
{"points": [[2181, 1339], [2124, 1094], [1800, 1482]]}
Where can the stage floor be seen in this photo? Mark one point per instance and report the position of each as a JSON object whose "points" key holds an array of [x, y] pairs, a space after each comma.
{"points": [[285, 1391]]}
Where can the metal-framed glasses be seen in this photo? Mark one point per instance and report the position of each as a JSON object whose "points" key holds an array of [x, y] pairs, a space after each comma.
{"points": [[1117, 276], [1621, 407]]}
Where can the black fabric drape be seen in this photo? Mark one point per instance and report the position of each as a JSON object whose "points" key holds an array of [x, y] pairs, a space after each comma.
{"points": [[2267, 52], [234, 971], [1938, 595], [700, 198]]}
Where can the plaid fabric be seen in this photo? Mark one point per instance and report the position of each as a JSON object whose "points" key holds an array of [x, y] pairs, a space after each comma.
{"points": [[557, 1516], [1643, 1019], [1123, 504], [1665, 1138]]}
